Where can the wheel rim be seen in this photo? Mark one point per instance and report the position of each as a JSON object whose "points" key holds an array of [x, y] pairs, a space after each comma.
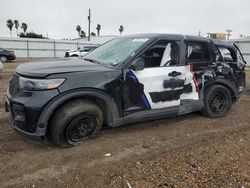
{"points": [[80, 128], [3, 59], [218, 103]]}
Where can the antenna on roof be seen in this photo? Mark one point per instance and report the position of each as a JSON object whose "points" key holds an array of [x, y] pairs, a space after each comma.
{"points": [[89, 19], [229, 31], [199, 33]]}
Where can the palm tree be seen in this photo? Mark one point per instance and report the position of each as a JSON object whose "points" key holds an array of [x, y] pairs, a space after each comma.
{"points": [[10, 25], [121, 29], [98, 28], [24, 27], [16, 23], [82, 34], [78, 29]]}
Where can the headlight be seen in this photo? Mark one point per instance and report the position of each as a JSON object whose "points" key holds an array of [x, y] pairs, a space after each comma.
{"points": [[39, 84]]}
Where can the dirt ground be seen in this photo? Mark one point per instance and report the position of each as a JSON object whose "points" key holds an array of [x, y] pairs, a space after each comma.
{"points": [[186, 151]]}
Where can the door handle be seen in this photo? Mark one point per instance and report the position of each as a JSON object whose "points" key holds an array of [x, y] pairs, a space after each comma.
{"points": [[174, 74]]}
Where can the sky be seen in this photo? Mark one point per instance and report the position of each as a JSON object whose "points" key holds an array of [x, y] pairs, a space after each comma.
{"points": [[58, 18]]}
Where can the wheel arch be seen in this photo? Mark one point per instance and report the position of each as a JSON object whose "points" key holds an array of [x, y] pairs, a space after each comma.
{"points": [[74, 55], [232, 88], [107, 105]]}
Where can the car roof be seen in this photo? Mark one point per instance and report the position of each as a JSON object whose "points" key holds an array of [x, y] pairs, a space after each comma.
{"points": [[185, 37], [155, 35]]}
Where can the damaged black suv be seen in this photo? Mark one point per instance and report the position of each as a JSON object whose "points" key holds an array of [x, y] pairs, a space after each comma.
{"points": [[127, 80]]}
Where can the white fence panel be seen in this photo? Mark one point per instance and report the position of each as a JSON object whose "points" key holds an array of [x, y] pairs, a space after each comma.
{"points": [[26, 47]]}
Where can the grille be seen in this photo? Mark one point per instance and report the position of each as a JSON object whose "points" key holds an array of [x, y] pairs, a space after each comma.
{"points": [[14, 85], [20, 125]]}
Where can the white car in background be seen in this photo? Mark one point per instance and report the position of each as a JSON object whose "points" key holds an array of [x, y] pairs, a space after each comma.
{"points": [[80, 52], [1, 66]]}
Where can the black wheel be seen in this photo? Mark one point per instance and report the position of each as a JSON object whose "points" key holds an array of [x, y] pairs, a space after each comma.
{"points": [[75, 122], [217, 101], [3, 59]]}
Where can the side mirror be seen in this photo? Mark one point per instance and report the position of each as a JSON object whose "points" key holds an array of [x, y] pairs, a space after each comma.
{"points": [[138, 64]]}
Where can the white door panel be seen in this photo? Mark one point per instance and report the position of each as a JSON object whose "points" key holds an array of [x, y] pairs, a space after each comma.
{"points": [[153, 79]]}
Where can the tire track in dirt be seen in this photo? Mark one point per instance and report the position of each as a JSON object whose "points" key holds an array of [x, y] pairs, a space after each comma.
{"points": [[134, 152]]}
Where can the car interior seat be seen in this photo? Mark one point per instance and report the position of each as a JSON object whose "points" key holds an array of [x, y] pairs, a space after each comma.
{"points": [[166, 55]]}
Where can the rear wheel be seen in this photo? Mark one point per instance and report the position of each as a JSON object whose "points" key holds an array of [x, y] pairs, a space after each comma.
{"points": [[217, 101], [3, 59], [75, 122]]}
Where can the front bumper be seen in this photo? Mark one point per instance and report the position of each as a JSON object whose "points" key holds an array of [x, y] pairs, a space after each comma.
{"points": [[38, 135], [24, 112]]}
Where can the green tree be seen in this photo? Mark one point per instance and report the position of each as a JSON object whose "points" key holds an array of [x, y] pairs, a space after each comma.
{"points": [[24, 27], [16, 24], [98, 28], [121, 29], [92, 34], [31, 35], [10, 25], [82, 34], [78, 29]]}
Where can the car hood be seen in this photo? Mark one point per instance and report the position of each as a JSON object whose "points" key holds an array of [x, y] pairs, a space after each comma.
{"points": [[45, 68]]}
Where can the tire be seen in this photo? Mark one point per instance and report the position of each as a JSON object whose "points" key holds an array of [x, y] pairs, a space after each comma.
{"points": [[217, 101], [75, 122], [3, 59]]}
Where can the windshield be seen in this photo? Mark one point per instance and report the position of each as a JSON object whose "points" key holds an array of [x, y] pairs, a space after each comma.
{"points": [[116, 51]]}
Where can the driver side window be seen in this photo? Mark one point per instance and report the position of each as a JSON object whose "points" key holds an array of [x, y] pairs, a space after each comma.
{"points": [[161, 54]]}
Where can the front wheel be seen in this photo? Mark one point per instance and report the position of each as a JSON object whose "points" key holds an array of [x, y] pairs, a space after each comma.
{"points": [[3, 59], [75, 122], [217, 101]]}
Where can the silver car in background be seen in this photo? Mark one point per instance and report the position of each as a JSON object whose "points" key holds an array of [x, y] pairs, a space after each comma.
{"points": [[81, 51]]}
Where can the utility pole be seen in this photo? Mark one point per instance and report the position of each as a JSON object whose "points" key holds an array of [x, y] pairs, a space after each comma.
{"points": [[89, 19], [199, 33], [229, 33]]}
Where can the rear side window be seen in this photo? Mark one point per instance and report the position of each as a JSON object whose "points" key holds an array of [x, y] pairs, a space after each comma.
{"points": [[227, 54], [197, 51]]}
